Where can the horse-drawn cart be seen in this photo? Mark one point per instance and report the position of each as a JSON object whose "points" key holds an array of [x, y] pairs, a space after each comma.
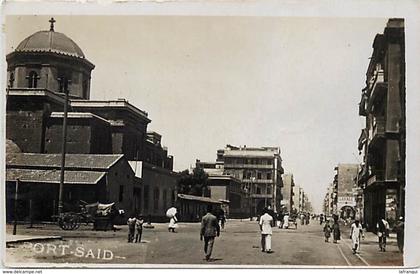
{"points": [[101, 215]]}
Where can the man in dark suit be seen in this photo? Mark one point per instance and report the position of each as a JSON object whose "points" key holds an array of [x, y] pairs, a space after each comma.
{"points": [[209, 230]]}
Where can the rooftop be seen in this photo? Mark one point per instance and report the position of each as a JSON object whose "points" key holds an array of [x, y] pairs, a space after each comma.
{"points": [[53, 176], [51, 161], [50, 41], [78, 115], [120, 103], [250, 153]]}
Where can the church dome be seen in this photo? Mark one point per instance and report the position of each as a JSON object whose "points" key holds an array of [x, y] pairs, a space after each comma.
{"points": [[50, 41]]}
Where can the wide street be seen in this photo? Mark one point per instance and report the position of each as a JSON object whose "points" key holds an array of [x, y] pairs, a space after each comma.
{"points": [[238, 244]]}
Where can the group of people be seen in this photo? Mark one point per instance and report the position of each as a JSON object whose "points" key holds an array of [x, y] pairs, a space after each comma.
{"points": [[356, 232], [135, 229], [334, 228], [210, 229]]}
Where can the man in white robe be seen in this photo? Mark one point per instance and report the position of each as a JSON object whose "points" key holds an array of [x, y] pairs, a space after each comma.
{"points": [[355, 233]]}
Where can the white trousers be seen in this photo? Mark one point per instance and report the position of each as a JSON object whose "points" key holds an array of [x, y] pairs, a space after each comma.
{"points": [[266, 242]]}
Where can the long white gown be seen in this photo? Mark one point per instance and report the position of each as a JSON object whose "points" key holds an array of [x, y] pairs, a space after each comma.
{"points": [[172, 222], [356, 233]]}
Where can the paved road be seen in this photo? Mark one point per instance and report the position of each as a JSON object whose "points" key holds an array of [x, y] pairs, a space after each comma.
{"points": [[239, 244]]}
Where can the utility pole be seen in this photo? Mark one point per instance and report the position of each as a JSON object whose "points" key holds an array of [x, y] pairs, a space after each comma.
{"points": [[64, 82], [16, 207], [251, 211]]}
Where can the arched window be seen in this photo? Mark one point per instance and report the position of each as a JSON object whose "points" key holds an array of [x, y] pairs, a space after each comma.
{"points": [[11, 79], [32, 79]]}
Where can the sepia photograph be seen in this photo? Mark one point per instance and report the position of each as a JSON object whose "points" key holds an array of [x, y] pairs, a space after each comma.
{"points": [[204, 141]]}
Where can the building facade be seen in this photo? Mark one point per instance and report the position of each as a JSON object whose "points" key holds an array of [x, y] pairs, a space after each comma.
{"points": [[88, 177], [44, 67], [382, 141], [259, 170], [346, 176], [227, 189], [287, 191]]}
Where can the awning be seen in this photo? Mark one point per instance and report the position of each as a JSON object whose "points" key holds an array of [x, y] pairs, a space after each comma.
{"points": [[198, 199], [53, 176]]}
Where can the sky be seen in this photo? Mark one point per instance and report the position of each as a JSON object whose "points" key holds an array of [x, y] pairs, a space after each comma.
{"points": [[206, 82]]}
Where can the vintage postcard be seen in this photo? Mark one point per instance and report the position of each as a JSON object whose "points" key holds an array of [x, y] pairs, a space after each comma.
{"points": [[186, 139]]}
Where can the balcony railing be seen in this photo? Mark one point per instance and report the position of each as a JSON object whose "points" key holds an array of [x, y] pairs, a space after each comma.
{"points": [[262, 195], [377, 131], [249, 166], [376, 177], [258, 181], [378, 87], [379, 127]]}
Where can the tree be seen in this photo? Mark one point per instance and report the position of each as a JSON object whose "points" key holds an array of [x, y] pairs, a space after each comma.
{"points": [[193, 183]]}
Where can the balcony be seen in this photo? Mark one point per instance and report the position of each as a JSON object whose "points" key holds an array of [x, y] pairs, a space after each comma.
{"points": [[363, 104], [376, 178], [256, 196], [258, 181], [377, 131], [378, 88], [248, 166]]}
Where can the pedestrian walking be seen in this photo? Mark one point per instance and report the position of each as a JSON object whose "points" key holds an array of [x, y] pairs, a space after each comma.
{"points": [[327, 231], [139, 229], [286, 221], [321, 219], [302, 219], [280, 218], [221, 217], [271, 212], [399, 228], [171, 214], [172, 224], [266, 223], [382, 228], [209, 230], [131, 222], [356, 232], [336, 231]]}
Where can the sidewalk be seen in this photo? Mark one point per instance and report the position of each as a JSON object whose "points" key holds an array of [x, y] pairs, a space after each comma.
{"points": [[13, 239]]}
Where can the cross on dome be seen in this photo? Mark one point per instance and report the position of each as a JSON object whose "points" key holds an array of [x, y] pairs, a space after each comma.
{"points": [[52, 21]]}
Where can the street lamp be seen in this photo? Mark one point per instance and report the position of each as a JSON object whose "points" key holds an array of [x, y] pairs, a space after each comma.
{"points": [[64, 82]]}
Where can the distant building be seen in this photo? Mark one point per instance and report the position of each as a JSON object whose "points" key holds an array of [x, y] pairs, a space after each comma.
{"points": [[211, 168], [346, 180], [155, 154], [191, 208], [330, 200], [307, 207], [298, 202], [228, 190], [225, 188], [259, 170], [287, 191], [383, 140]]}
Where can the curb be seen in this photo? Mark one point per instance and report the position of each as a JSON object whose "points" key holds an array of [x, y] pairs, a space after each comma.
{"points": [[32, 239]]}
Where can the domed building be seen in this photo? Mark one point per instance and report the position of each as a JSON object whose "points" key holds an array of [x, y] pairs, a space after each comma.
{"points": [[102, 136], [44, 59]]}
